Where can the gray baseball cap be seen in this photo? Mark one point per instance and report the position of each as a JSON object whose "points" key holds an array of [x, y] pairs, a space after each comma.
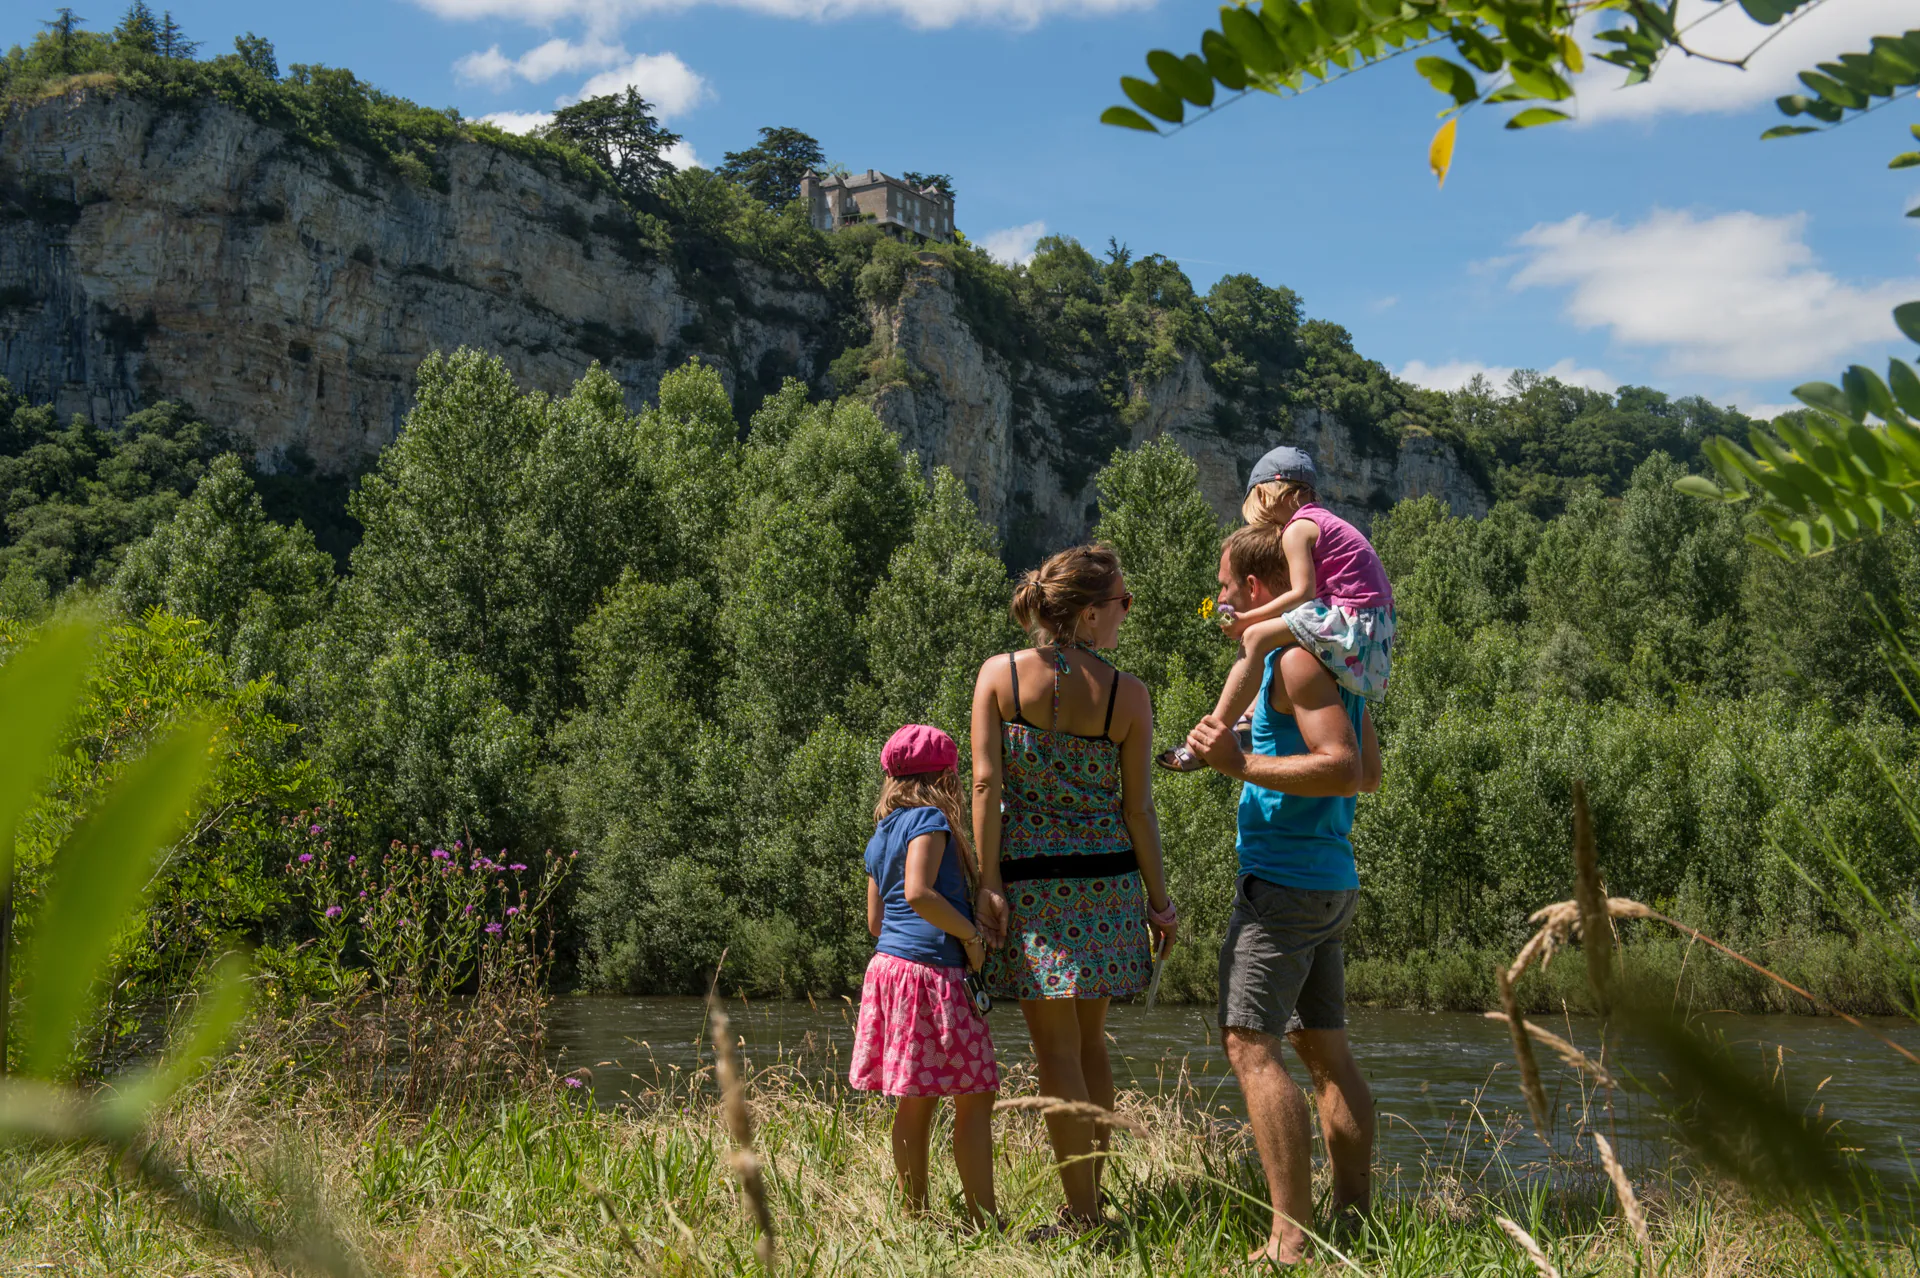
{"points": [[1284, 462]]}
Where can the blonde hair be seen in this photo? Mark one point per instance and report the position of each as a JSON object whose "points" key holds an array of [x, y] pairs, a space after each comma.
{"points": [[931, 790], [1048, 601], [1263, 503]]}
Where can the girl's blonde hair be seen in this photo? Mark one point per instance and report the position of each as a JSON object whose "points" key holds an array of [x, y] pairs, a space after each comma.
{"points": [[1262, 505], [931, 790], [1048, 600]]}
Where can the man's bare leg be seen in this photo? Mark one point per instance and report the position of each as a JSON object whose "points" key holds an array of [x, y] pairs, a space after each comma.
{"points": [[1346, 1114], [1277, 1112]]}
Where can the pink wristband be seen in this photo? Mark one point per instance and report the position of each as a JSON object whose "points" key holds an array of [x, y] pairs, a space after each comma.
{"points": [[1164, 920]]}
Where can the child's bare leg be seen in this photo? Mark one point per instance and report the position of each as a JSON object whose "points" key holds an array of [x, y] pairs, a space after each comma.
{"points": [[1243, 681], [973, 1152], [912, 1132]]}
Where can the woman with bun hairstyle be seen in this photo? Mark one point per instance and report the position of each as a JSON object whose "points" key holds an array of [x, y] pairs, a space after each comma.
{"points": [[1072, 894]]}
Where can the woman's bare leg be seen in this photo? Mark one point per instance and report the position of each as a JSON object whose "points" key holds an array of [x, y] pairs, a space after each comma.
{"points": [[1055, 1027], [1097, 1068]]}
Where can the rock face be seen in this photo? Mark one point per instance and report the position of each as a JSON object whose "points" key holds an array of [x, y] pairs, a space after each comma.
{"points": [[289, 295]]}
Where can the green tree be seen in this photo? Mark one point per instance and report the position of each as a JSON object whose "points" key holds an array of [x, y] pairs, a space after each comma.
{"points": [[771, 169], [221, 560], [64, 30], [172, 42], [256, 52], [618, 132], [921, 181], [138, 31]]}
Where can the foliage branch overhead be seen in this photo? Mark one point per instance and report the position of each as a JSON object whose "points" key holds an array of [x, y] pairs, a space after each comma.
{"points": [[1523, 53]]}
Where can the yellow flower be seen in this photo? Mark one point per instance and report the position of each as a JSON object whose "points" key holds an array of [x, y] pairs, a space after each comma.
{"points": [[1206, 608]]}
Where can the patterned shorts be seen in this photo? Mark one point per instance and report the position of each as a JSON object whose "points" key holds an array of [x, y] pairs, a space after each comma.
{"points": [[1354, 644]]}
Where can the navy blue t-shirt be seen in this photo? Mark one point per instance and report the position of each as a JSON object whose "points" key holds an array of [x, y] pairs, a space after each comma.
{"points": [[904, 933]]}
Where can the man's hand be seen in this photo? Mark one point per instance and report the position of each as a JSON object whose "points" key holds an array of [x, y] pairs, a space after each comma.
{"points": [[1213, 740]]}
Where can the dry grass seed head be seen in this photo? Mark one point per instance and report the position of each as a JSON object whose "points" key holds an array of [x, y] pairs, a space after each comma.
{"points": [[1524, 1241], [1629, 1201], [1530, 1085]]}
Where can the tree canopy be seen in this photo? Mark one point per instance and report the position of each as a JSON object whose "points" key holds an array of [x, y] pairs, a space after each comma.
{"points": [[771, 169], [618, 131]]}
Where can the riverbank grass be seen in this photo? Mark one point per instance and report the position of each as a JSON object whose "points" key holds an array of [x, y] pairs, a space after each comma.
{"points": [[547, 1183]]}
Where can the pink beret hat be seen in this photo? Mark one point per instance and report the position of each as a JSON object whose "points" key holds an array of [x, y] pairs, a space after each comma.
{"points": [[918, 748]]}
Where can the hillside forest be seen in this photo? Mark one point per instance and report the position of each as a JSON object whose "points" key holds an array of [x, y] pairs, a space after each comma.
{"points": [[673, 639]]}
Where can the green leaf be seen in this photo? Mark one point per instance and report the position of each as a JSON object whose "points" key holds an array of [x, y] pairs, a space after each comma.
{"points": [[39, 691], [220, 1009], [1895, 60], [1793, 103], [1339, 17], [1701, 486], [1905, 160], [1534, 116], [1878, 398], [1127, 118], [1191, 80], [1223, 62], [1768, 12], [1540, 81], [1251, 40], [1823, 396], [1832, 90], [1907, 314], [1477, 49], [98, 879], [1529, 42], [1450, 78], [1905, 385], [1787, 131], [1153, 99]]}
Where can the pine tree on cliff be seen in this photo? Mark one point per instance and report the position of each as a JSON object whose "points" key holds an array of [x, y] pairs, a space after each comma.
{"points": [[65, 25], [138, 32], [771, 169], [620, 132], [257, 53], [173, 41]]}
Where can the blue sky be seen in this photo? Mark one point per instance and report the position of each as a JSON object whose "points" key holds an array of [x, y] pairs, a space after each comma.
{"points": [[1658, 242]]}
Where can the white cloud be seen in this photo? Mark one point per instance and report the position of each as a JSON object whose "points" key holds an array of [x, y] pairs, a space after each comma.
{"points": [[606, 15], [1690, 85], [1383, 304], [539, 64], [517, 121], [663, 79], [1015, 245], [1736, 295], [1764, 412], [680, 155], [1455, 374]]}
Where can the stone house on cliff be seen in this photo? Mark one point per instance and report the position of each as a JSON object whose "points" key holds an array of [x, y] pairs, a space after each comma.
{"points": [[834, 201]]}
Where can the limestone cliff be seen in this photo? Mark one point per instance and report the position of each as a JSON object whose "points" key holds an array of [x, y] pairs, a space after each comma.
{"points": [[289, 294]]}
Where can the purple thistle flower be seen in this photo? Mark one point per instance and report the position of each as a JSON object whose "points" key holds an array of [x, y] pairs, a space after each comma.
{"points": [[493, 929], [512, 910], [468, 910], [441, 854], [313, 829], [352, 860], [363, 894], [333, 911], [574, 1082], [306, 858], [516, 867], [458, 845]]}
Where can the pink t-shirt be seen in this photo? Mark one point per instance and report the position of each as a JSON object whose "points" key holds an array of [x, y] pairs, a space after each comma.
{"points": [[1346, 570]]}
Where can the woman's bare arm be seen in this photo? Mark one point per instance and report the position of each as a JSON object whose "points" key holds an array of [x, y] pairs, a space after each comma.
{"points": [[990, 909], [1136, 789]]}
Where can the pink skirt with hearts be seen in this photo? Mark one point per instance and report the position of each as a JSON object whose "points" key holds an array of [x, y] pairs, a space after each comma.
{"points": [[919, 1034]]}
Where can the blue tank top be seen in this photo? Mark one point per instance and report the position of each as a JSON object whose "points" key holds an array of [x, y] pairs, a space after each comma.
{"points": [[903, 933], [1286, 839]]}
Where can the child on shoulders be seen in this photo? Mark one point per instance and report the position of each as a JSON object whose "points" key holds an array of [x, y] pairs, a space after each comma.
{"points": [[1338, 604], [919, 1036]]}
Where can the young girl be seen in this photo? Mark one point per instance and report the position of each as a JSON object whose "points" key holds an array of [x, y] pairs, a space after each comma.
{"points": [[919, 1037], [1337, 604]]}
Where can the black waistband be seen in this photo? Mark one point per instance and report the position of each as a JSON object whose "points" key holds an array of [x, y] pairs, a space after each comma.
{"points": [[1069, 865]]}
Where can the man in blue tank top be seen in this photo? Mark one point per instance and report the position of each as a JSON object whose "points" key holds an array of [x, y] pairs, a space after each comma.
{"points": [[1282, 968]]}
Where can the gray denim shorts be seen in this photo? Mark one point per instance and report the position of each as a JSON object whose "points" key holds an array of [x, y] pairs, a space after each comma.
{"points": [[1282, 966]]}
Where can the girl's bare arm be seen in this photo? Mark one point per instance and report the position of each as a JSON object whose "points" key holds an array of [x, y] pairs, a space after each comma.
{"points": [[874, 913], [1298, 541], [924, 855], [990, 909]]}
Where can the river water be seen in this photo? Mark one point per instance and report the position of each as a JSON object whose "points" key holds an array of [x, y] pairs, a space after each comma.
{"points": [[1443, 1082]]}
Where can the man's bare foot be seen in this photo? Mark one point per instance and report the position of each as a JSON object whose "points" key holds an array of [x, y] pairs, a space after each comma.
{"points": [[1274, 1253]]}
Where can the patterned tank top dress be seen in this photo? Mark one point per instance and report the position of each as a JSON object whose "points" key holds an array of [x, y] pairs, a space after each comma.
{"points": [[1077, 925]]}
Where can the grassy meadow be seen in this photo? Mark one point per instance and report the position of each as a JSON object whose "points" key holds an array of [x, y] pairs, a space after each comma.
{"points": [[543, 1182]]}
